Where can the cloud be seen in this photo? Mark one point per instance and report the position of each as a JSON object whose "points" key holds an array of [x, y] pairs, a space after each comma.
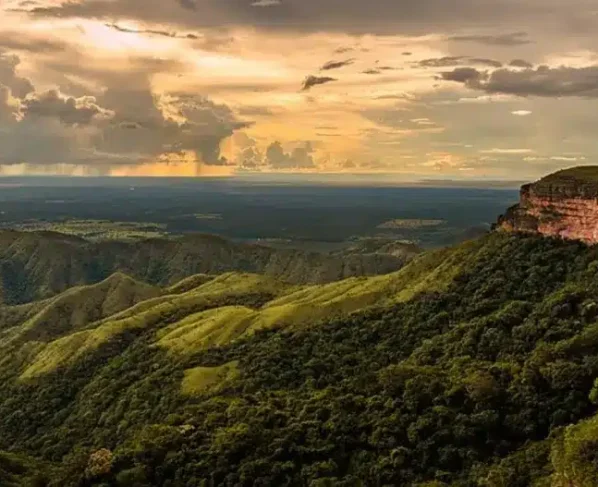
{"points": [[402, 96], [468, 76], [256, 111], [9, 106], [126, 30], [298, 158], [250, 158], [208, 40], [201, 128], [449, 61], [507, 151], [567, 158], [312, 81], [17, 42], [20, 87], [266, 3], [123, 124], [442, 62], [512, 39], [336, 64], [400, 120], [188, 4], [520, 63], [343, 50], [353, 16], [521, 113], [371, 71], [486, 62], [69, 110], [542, 82], [275, 157]]}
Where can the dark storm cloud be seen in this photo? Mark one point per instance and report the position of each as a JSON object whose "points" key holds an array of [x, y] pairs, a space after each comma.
{"points": [[207, 125], [68, 110], [336, 64], [351, 16], [542, 82], [121, 125], [312, 81], [520, 63], [512, 39]]}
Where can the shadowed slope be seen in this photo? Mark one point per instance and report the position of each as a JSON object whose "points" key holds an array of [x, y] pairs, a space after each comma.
{"points": [[35, 266]]}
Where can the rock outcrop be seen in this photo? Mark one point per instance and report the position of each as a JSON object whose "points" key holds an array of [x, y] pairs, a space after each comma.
{"points": [[563, 204]]}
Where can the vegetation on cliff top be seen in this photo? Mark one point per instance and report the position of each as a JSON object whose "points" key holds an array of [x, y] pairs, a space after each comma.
{"points": [[579, 173], [580, 181]]}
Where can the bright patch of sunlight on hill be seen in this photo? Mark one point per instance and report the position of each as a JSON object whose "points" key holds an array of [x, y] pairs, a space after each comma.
{"points": [[199, 379], [206, 329]]}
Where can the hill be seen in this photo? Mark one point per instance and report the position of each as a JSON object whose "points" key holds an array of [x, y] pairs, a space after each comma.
{"points": [[38, 265], [471, 366]]}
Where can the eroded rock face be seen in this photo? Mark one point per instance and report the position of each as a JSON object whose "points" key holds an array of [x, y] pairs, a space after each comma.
{"points": [[563, 204]]}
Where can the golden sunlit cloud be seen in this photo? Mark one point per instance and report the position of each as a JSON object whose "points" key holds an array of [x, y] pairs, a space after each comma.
{"points": [[394, 97]]}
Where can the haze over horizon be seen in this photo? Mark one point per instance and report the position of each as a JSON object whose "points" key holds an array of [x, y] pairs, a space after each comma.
{"points": [[417, 89]]}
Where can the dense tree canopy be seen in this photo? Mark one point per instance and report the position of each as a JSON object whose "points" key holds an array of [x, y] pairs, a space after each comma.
{"points": [[489, 383]]}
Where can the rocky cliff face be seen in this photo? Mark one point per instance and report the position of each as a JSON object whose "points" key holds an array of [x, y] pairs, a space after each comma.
{"points": [[563, 204]]}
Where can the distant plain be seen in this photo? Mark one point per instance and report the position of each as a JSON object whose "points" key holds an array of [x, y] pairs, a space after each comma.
{"points": [[297, 213]]}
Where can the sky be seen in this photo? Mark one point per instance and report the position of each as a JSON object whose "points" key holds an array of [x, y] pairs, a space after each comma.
{"points": [[459, 89]]}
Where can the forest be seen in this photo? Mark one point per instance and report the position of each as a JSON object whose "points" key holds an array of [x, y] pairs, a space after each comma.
{"points": [[482, 374]]}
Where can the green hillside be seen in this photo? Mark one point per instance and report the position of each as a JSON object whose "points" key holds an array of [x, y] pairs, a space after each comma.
{"points": [[39, 265], [471, 366]]}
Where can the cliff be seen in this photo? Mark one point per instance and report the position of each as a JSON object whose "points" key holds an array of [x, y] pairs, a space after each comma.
{"points": [[563, 204]]}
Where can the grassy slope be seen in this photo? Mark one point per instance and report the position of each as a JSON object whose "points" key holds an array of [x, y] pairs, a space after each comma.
{"points": [[225, 289], [77, 307], [199, 379], [191, 327]]}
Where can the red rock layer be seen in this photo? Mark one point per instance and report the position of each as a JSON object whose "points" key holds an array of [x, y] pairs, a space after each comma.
{"points": [[554, 215]]}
